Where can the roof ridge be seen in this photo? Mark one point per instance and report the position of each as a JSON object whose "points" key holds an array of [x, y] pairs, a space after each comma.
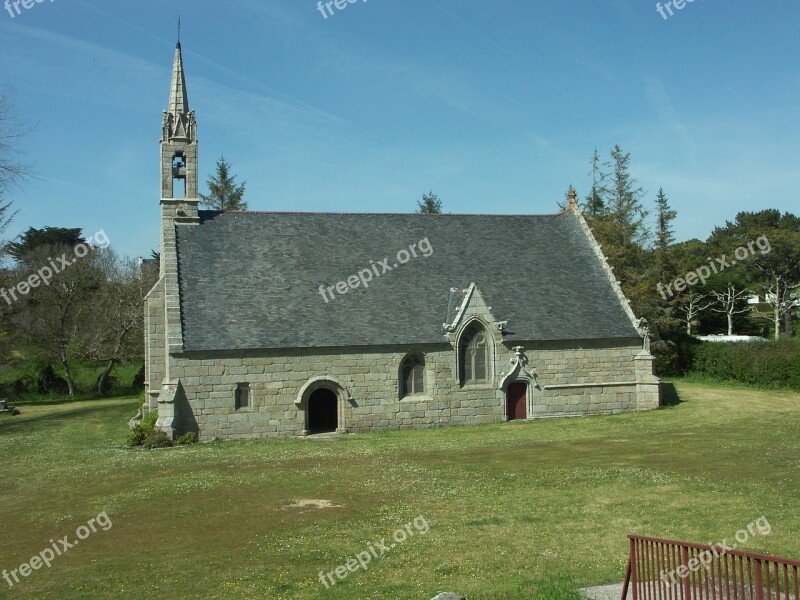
{"points": [[380, 214]]}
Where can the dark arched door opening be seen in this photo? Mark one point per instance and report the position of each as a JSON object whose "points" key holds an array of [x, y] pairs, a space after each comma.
{"points": [[516, 399], [323, 411]]}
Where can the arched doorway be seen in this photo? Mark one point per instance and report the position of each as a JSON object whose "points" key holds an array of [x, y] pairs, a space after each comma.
{"points": [[517, 401], [323, 411]]}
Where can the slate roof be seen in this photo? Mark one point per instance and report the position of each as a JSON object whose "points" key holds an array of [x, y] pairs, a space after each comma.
{"points": [[251, 280]]}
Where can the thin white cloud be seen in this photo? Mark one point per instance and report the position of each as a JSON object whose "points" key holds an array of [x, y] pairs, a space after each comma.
{"points": [[662, 105], [137, 73], [477, 32]]}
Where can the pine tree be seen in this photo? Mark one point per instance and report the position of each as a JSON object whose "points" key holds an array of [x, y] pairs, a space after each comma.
{"points": [[665, 235], [594, 206], [224, 194], [624, 209], [32, 239], [429, 205], [622, 232]]}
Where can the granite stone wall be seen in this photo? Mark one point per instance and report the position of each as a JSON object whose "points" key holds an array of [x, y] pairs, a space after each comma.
{"points": [[572, 379], [154, 345]]}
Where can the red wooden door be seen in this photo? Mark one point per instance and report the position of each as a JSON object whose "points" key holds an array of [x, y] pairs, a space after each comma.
{"points": [[516, 395]]}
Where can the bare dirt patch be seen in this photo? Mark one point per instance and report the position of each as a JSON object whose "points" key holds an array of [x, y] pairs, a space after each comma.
{"points": [[320, 504]]}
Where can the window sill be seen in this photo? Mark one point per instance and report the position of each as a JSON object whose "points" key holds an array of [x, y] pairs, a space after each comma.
{"points": [[477, 387], [416, 398]]}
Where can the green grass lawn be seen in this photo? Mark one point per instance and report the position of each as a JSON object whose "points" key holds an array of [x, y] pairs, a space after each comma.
{"points": [[505, 504]]}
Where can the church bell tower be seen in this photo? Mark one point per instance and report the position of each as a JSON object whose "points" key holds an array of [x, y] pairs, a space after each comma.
{"points": [[179, 208]]}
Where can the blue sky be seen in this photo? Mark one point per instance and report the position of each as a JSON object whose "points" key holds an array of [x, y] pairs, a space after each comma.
{"points": [[496, 106]]}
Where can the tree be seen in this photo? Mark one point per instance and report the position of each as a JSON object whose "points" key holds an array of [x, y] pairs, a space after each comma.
{"points": [[54, 315], [11, 170], [665, 235], [155, 262], [621, 231], [429, 205], [34, 238], [6, 216], [594, 206], [777, 264], [690, 308], [781, 300], [224, 194], [729, 302], [625, 210], [771, 242], [11, 173], [114, 333]]}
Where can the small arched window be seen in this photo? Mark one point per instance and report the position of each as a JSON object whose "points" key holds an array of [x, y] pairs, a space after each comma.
{"points": [[474, 355], [412, 376]]}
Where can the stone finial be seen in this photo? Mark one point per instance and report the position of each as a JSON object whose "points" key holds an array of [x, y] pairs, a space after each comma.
{"points": [[573, 199], [519, 356]]}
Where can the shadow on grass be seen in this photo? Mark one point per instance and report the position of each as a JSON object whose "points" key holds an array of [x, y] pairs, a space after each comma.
{"points": [[669, 395], [21, 421], [79, 397]]}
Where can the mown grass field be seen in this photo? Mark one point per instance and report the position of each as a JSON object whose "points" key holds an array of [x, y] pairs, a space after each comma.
{"points": [[506, 504]]}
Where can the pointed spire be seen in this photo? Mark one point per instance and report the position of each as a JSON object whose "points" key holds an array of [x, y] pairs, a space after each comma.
{"points": [[178, 98], [179, 123]]}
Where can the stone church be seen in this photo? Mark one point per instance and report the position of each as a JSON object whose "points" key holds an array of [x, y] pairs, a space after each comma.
{"points": [[278, 323]]}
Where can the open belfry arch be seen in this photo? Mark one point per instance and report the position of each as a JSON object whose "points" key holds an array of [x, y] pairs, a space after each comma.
{"points": [[238, 343]]}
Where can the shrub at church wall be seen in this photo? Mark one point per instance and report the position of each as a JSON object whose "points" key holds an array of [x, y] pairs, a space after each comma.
{"points": [[142, 430]]}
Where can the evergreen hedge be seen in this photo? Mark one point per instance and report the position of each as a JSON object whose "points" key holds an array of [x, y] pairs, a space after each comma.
{"points": [[765, 364]]}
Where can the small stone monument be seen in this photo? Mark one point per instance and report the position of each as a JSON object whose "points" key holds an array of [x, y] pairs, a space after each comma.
{"points": [[5, 408]]}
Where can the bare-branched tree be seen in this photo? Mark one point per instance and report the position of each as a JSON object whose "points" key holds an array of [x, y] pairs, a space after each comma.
{"points": [[731, 302], [115, 333], [12, 171], [691, 306], [53, 315]]}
